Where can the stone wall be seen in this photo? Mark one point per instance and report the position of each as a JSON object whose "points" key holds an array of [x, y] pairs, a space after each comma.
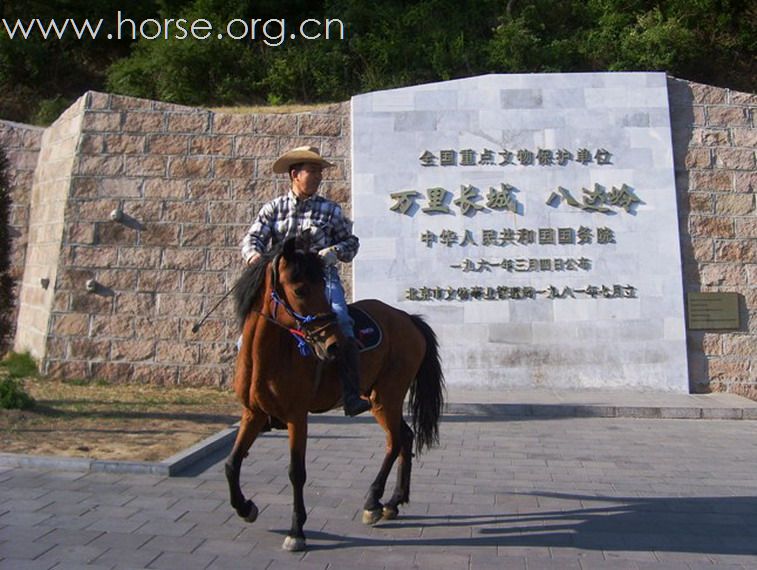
{"points": [[714, 138], [47, 217], [189, 181], [21, 145]]}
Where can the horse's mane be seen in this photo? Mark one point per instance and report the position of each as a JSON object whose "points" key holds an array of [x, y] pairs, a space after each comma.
{"points": [[249, 287]]}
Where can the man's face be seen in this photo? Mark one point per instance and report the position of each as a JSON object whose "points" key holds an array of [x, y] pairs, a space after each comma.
{"points": [[305, 180]]}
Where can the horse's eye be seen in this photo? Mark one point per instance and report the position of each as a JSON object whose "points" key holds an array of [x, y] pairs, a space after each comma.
{"points": [[300, 292]]}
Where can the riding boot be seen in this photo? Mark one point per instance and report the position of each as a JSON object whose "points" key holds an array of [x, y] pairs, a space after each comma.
{"points": [[349, 374]]}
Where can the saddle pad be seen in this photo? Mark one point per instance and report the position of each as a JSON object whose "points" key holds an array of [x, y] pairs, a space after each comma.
{"points": [[367, 331]]}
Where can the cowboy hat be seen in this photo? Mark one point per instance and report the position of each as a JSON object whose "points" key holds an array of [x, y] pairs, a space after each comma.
{"points": [[309, 154]]}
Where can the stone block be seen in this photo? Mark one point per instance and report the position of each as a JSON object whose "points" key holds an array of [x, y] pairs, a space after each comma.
{"points": [[190, 167], [319, 125], [126, 103], [209, 190], [745, 181], [112, 371], [163, 281], [232, 124], [168, 144], [711, 226], [132, 350], [160, 234], [722, 274], [165, 188], [198, 122], [202, 235], [235, 168], [158, 328], [727, 369], [740, 345], [746, 227], [201, 376], [276, 124], [129, 303], [211, 145], [119, 187], [101, 121], [118, 279], [88, 349], [157, 374], [255, 146], [72, 324], [186, 259], [742, 251], [184, 212], [698, 158], [111, 233], [148, 165], [734, 205], [99, 165], [179, 304], [177, 352], [143, 122], [139, 257], [205, 283], [111, 326], [735, 158], [123, 144], [744, 137], [727, 117], [712, 137], [707, 94]]}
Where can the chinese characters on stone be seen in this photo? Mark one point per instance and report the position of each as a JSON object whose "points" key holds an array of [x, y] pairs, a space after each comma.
{"points": [[469, 200], [503, 293], [507, 157]]}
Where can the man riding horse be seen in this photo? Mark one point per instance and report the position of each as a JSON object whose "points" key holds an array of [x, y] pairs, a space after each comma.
{"points": [[304, 213]]}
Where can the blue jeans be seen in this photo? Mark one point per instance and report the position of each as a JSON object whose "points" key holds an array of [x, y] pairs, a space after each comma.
{"points": [[335, 295]]}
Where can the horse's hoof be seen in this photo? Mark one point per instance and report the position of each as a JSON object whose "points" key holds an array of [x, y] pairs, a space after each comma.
{"points": [[372, 517], [293, 544], [252, 516], [249, 512], [390, 513]]}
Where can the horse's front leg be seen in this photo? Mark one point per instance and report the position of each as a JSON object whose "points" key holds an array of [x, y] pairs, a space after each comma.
{"points": [[249, 428], [298, 435]]}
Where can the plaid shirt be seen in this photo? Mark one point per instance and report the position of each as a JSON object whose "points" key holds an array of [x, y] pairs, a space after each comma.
{"points": [[289, 216]]}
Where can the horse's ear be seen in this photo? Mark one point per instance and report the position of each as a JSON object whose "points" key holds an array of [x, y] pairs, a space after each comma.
{"points": [[290, 247]]}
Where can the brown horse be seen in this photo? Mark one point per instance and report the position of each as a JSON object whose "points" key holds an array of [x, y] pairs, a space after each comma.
{"points": [[282, 303]]}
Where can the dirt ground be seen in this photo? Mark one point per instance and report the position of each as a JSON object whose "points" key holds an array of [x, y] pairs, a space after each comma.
{"points": [[117, 422]]}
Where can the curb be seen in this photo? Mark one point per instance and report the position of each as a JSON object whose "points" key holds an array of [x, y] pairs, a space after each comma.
{"points": [[167, 468], [181, 461], [602, 411]]}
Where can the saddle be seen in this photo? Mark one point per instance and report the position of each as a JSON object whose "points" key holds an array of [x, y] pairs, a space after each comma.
{"points": [[368, 334]]}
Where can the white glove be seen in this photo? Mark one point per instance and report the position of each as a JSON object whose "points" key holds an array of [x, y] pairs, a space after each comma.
{"points": [[328, 255], [253, 259]]}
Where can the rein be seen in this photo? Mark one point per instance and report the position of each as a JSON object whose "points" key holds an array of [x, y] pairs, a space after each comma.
{"points": [[305, 338]]}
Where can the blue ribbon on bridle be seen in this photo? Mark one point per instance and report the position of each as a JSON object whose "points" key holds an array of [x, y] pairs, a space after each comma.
{"points": [[297, 334]]}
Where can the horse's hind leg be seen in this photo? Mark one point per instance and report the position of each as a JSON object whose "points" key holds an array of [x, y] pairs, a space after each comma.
{"points": [[373, 510], [401, 494], [249, 428]]}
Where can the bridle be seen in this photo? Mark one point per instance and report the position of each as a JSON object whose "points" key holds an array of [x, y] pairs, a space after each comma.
{"points": [[308, 328]]}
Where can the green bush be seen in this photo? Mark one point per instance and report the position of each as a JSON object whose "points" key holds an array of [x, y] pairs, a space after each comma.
{"points": [[19, 365], [13, 397]]}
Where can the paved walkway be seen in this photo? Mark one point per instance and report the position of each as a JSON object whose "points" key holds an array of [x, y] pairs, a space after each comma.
{"points": [[509, 487]]}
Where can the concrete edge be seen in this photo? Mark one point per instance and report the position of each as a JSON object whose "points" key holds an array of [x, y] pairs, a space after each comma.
{"points": [[601, 411], [167, 468], [179, 462]]}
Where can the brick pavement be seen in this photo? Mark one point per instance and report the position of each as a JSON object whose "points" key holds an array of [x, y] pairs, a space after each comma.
{"points": [[499, 493]]}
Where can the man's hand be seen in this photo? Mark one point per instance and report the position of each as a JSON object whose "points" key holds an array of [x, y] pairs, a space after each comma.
{"points": [[253, 259], [328, 255]]}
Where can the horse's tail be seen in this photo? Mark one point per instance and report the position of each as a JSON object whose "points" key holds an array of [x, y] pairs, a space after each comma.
{"points": [[427, 391]]}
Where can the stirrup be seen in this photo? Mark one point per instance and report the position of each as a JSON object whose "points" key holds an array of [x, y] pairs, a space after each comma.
{"points": [[356, 408]]}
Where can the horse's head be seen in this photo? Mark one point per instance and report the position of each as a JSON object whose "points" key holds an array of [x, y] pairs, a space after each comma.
{"points": [[299, 299]]}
